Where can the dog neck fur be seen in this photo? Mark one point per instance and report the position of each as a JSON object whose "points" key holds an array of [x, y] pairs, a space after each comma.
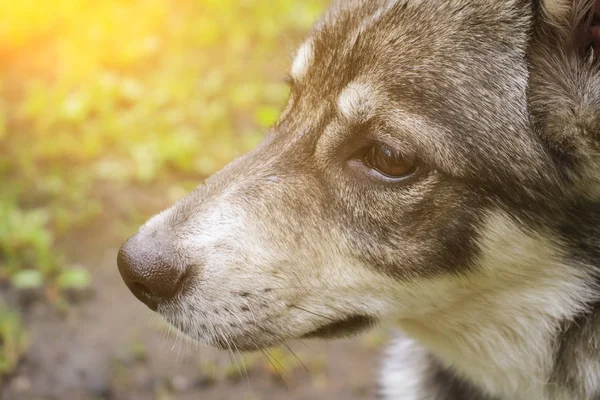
{"points": [[499, 324]]}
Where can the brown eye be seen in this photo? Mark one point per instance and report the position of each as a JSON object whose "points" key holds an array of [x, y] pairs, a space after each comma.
{"points": [[389, 162]]}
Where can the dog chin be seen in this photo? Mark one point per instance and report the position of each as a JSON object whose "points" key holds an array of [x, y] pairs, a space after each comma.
{"points": [[342, 328], [348, 326], [240, 344]]}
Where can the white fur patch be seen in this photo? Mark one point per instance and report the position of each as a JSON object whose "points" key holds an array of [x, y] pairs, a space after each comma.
{"points": [[496, 325], [303, 60], [403, 371], [358, 101]]}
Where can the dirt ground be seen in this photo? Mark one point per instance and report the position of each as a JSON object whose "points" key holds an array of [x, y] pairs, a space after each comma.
{"points": [[110, 346]]}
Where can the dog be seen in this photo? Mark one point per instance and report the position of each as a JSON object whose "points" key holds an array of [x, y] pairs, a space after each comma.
{"points": [[437, 166]]}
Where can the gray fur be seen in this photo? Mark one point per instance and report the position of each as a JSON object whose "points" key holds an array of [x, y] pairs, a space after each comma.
{"points": [[487, 257]]}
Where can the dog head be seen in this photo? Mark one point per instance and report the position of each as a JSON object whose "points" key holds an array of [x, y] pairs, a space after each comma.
{"points": [[411, 151]]}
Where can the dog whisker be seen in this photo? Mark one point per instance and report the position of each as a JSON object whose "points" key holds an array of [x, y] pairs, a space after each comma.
{"points": [[314, 313], [264, 353], [295, 288], [294, 354], [303, 343]]}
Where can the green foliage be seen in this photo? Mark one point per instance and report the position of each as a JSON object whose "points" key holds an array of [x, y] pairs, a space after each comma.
{"points": [[13, 341], [27, 279], [75, 278], [28, 257], [126, 92]]}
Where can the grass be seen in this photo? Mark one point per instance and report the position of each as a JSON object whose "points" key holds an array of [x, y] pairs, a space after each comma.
{"points": [[125, 92], [13, 341]]}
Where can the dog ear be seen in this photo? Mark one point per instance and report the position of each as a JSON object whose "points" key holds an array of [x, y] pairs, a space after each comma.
{"points": [[564, 88]]}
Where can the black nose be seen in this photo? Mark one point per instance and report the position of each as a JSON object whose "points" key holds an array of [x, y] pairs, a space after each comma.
{"points": [[149, 271]]}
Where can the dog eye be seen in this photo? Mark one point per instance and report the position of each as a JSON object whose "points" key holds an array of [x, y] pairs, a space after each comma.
{"points": [[389, 162]]}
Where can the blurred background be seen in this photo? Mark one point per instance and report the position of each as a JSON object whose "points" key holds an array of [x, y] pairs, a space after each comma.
{"points": [[110, 111]]}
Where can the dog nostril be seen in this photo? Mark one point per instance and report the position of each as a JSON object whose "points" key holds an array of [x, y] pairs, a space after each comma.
{"points": [[144, 295], [143, 290]]}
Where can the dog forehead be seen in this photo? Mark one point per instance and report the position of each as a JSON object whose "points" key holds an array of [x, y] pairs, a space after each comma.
{"points": [[408, 39]]}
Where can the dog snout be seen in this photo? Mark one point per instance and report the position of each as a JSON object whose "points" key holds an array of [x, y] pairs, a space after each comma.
{"points": [[151, 276]]}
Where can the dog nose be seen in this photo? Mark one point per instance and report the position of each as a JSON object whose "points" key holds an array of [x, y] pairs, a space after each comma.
{"points": [[147, 271]]}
